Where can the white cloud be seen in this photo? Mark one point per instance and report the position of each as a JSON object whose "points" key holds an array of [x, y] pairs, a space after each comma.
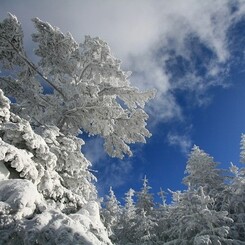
{"points": [[146, 34], [140, 30], [94, 150], [182, 141], [115, 174], [112, 172]]}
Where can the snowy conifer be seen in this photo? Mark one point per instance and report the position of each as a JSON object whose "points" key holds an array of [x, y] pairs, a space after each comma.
{"points": [[242, 148], [111, 213], [87, 84], [192, 218], [145, 200], [88, 92], [202, 171], [125, 231], [145, 229], [236, 200]]}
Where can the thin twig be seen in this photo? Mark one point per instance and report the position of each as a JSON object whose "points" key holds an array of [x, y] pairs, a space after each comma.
{"points": [[33, 67]]}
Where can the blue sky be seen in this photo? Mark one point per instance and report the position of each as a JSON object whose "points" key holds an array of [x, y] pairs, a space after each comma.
{"points": [[191, 51]]}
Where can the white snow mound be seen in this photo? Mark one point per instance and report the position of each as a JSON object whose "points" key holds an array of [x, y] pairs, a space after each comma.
{"points": [[19, 197]]}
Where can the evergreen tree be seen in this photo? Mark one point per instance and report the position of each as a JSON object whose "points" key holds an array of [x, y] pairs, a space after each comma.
{"points": [[39, 144], [145, 200], [192, 219], [145, 229], [161, 216], [145, 222], [162, 194], [87, 84], [111, 213], [125, 232], [202, 171], [242, 148], [130, 209], [236, 197]]}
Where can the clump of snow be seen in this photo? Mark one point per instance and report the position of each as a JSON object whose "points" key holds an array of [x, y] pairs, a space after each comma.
{"points": [[25, 218], [19, 197], [4, 107], [89, 218], [202, 240], [54, 227], [4, 173]]}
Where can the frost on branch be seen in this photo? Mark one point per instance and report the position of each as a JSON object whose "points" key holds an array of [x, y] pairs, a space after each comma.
{"points": [[71, 165], [90, 91], [24, 219], [242, 153], [52, 161], [44, 177], [18, 197], [11, 42], [201, 171], [87, 92]]}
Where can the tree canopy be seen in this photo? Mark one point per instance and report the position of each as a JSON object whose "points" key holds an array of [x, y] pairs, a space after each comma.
{"points": [[90, 91], [45, 105]]}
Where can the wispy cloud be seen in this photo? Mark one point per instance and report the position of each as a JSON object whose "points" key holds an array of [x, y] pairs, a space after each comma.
{"points": [[182, 141], [94, 150], [169, 45], [190, 52], [152, 37], [115, 174], [112, 172]]}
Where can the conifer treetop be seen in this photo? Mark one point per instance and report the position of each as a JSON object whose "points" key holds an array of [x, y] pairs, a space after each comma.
{"points": [[90, 91]]}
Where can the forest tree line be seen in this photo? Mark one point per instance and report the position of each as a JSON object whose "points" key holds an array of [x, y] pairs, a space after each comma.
{"points": [[210, 211]]}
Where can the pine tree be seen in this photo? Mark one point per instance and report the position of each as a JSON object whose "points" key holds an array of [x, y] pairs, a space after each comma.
{"points": [[161, 217], [145, 200], [242, 148], [192, 219], [39, 147], [87, 84], [125, 232], [202, 171], [145, 229], [145, 222], [236, 197], [37, 204], [162, 194], [111, 213]]}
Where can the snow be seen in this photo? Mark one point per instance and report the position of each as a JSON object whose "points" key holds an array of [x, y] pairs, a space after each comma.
{"points": [[24, 212], [4, 173], [19, 197], [202, 240], [53, 227], [89, 218]]}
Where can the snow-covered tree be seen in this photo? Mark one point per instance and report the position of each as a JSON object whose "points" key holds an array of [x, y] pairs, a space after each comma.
{"points": [[242, 147], [90, 91], [125, 232], [37, 204], [129, 212], [72, 167], [111, 213], [236, 203], [145, 229], [236, 197], [137, 225], [162, 218], [74, 88], [202, 171], [162, 194], [145, 200], [192, 219]]}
